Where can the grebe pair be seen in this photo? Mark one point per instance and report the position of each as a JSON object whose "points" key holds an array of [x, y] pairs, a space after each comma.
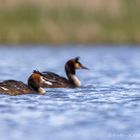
{"points": [[40, 80]]}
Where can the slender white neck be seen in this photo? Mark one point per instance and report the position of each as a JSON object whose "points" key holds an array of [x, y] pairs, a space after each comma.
{"points": [[75, 80]]}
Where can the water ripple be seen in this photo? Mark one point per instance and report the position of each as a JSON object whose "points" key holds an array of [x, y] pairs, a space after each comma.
{"points": [[107, 106]]}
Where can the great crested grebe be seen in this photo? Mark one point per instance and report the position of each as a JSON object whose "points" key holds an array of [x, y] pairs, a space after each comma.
{"points": [[70, 68], [35, 82]]}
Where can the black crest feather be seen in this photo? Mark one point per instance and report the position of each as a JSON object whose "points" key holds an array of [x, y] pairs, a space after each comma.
{"points": [[77, 58], [38, 72]]}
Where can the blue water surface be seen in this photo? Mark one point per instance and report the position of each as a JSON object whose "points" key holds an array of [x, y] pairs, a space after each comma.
{"points": [[105, 107]]}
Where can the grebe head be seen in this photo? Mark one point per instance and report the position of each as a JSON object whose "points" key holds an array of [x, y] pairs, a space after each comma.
{"points": [[36, 80], [79, 65], [70, 67], [73, 64]]}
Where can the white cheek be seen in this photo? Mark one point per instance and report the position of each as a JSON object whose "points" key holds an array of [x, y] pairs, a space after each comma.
{"points": [[77, 66]]}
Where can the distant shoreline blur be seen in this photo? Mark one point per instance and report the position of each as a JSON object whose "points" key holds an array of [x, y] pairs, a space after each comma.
{"points": [[70, 22]]}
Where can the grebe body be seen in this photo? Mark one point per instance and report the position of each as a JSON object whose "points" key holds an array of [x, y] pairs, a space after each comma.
{"points": [[35, 82], [72, 80]]}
